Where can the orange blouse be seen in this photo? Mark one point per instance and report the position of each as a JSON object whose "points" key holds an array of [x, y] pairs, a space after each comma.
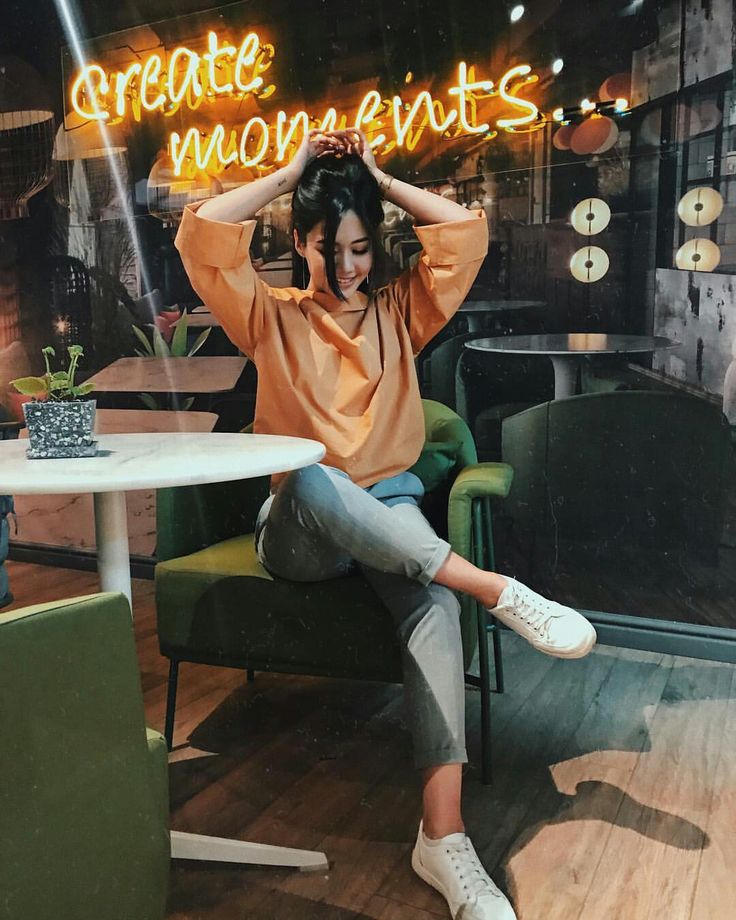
{"points": [[340, 373]]}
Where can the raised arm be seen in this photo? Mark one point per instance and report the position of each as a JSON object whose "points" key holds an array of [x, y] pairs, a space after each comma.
{"points": [[214, 239], [425, 207], [244, 202], [454, 244]]}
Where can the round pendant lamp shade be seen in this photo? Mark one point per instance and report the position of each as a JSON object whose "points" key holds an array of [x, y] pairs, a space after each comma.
{"points": [[590, 216], [594, 135], [26, 136], [91, 170], [563, 136], [617, 86], [700, 207], [698, 255], [167, 194], [589, 264]]}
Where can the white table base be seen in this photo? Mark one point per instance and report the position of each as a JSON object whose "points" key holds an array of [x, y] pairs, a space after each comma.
{"points": [[164, 460], [566, 375], [111, 534], [220, 849], [113, 565]]}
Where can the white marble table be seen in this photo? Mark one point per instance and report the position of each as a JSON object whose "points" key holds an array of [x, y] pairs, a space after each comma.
{"points": [[566, 350], [67, 520], [158, 460]]}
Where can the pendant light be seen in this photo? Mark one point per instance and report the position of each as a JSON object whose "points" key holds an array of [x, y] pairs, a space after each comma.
{"points": [[590, 216], [698, 255], [90, 170], [589, 264], [26, 136], [700, 207]]}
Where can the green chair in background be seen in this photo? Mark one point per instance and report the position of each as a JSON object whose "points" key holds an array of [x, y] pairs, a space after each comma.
{"points": [[619, 472], [217, 605], [603, 373], [490, 387], [440, 369], [83, 783]]}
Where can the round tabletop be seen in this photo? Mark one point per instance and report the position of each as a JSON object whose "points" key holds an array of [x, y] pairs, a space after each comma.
{"points": [[499, 306], [155, 460], [581, 343]]}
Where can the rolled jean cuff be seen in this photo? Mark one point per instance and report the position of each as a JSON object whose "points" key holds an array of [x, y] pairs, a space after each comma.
{"points": [[439, 557], [440, 757]]}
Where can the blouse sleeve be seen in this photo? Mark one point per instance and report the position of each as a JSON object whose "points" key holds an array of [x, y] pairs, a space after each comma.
{"points": [[217, 261], [431, 291]]}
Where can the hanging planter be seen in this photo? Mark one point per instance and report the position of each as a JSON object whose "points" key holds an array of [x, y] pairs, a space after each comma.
{"points": [[60, 423]]}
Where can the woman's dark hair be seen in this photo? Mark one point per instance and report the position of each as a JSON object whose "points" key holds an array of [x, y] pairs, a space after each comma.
{"points": [[330, 186]]}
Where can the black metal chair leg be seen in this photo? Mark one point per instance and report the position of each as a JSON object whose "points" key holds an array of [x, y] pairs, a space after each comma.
{"points": [[171, 702], [485, 697], [483, 656], [498, 658], [490, 556], [251, 675]]}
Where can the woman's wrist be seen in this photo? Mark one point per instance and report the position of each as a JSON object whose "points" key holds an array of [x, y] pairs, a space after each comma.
{"points": [[384, 185], [288, 177]]}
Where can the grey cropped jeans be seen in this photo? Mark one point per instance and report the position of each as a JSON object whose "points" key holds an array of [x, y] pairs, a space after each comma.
{"points": [[319, 524]]}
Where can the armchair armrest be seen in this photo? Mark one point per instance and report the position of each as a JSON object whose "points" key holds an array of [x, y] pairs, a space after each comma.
{"points": [[481, 480]]}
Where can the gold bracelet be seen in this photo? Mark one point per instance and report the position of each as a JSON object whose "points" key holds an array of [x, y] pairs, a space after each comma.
{"points": [[385, 184]]}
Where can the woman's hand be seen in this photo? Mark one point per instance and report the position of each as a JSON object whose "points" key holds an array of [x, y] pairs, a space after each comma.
{"points": [[347, 140], [353, 140], [315, 143]]}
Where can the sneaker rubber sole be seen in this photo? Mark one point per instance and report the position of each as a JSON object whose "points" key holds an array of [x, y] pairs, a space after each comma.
{"points": [[579, 651], [426, 876]]}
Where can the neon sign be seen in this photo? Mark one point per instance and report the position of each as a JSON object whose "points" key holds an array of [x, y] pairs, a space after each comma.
{"points": [[167, 82]]}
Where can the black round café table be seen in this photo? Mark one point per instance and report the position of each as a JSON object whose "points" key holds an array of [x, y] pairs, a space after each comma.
{"points": [[566, 349]]}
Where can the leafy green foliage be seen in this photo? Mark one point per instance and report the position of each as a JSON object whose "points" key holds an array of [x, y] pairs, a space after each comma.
{"points": [[157, 347], [55, 385]]}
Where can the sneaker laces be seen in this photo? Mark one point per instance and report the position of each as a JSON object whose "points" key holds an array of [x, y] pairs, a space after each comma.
{"points": [[537, 613], [473, 877]]}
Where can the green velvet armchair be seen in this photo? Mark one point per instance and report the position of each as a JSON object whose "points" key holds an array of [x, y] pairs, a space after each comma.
{"points": [[620, 471], [217, 605], [83, 783]]}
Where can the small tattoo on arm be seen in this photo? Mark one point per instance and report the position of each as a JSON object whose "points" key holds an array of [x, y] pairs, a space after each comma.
{"points": [[280, 183]]}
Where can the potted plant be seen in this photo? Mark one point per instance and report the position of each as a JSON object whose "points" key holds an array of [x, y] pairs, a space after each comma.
{"points": [[60, 423], [168, 340]]}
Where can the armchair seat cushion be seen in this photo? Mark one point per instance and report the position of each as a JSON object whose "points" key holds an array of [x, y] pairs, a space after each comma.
{"points": [[220, 606]]}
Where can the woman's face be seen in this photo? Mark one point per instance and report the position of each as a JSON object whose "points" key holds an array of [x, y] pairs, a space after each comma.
{"points": [[353, 254]]}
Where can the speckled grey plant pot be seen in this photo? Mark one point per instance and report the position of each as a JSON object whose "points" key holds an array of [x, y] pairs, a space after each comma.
{"points": [[60, 429]]}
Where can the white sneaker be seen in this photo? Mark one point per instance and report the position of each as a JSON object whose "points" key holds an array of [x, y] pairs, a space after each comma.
{"points": [[451, 865], [548, 626]]}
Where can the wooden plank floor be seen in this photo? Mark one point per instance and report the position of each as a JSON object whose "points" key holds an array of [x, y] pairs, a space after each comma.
{"points": [[614, 793], [650, 585]]}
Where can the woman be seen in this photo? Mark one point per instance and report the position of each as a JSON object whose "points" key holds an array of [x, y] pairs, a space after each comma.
{"points": [[336, 363]]}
